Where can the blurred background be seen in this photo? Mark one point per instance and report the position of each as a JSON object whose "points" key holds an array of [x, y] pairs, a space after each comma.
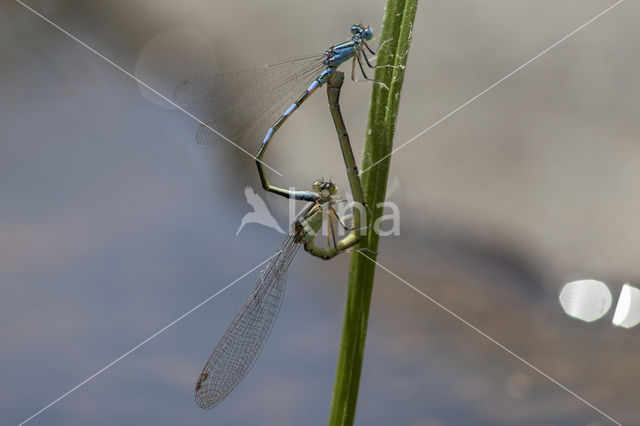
{"points": [[113, 221]]}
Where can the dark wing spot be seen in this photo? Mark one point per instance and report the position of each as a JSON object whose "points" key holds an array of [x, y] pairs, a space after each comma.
{"points": [[203, 377]]}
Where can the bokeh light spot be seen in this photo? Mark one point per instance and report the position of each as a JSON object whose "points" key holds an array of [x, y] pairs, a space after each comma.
{"points": [[627, 312], [587, 300]]}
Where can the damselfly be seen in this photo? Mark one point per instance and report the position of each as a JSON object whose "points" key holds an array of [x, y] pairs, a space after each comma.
{"points": [[238, 349], [246, 102]]}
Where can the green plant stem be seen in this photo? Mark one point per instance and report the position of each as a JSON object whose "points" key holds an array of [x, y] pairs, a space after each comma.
{"points": [[397, 28]]}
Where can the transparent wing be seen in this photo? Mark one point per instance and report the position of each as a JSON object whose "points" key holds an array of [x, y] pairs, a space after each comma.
{"points": [[238, 349], [242, 104]]}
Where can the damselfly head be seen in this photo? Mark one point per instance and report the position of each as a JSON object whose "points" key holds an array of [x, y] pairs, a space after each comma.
{"points": [[362, 32], [324, 188]]}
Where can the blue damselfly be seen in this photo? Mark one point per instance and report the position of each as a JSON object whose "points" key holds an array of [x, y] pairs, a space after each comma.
{"points": [[246, 102]]}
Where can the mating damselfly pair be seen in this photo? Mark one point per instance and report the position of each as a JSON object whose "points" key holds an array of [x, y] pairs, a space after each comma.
{"points": [[238, 349]]}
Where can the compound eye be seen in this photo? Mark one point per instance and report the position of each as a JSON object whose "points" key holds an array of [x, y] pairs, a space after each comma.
{"points": [[355, 29]]}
